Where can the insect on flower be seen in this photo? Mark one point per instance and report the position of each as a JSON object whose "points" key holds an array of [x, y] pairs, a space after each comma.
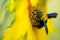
{"points": [[36, 18], [42, 23]]}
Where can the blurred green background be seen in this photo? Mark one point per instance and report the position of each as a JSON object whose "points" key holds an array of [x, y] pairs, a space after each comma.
{"points": [[54, 6]]}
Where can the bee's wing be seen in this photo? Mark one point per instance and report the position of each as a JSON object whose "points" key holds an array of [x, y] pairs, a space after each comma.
{"points": [[45, 26], [52, 15]]}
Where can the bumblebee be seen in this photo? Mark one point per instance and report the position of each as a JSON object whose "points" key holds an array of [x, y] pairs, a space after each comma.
{"points": [[35, 16]]}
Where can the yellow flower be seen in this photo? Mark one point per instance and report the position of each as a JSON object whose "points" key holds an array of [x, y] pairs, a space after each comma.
{"points": [[22, 24]]}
